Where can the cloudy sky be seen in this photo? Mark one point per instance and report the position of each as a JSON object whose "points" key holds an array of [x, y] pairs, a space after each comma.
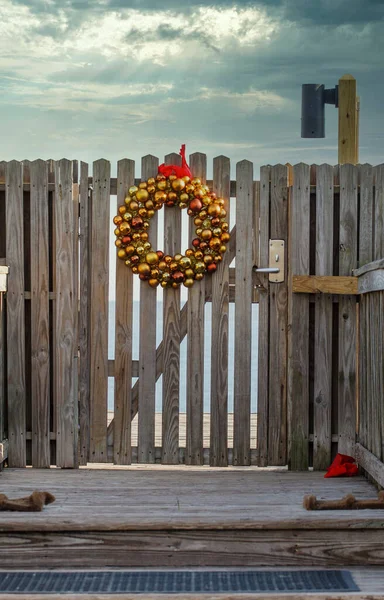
{"points": [[123, 78]]}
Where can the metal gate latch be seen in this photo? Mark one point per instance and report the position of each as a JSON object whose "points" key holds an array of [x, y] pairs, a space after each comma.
{"points": [[276, 262]]}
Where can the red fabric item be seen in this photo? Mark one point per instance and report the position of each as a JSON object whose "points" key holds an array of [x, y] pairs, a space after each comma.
{"points": [[182, 171], [342, 466]]}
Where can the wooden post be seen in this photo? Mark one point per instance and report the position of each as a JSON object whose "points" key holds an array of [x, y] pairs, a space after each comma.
{"points": [[348, 121]]}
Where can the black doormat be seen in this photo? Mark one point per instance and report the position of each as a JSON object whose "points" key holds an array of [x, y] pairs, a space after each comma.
{"points": [[174, 582]]}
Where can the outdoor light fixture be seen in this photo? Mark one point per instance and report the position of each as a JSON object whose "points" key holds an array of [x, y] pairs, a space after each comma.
{"points": [[314, 98]]}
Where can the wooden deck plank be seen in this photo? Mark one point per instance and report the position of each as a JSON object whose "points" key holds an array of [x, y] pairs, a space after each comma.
{"points": [[40, 367], [243, 313], [195, 345], [171, 336], [123, 335]]}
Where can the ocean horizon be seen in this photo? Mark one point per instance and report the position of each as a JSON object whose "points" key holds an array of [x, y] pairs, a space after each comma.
{"points": [[183, 355]]}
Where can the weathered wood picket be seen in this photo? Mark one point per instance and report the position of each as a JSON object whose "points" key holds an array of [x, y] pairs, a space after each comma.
{"points": [[370, 446], [55, 237]]}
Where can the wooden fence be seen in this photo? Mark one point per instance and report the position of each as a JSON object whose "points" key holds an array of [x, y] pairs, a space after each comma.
{"points": [[55, 237], [337, 225], [370, 446]]}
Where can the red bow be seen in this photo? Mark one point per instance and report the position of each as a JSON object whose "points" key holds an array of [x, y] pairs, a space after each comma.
{"points": [[182, 171], [342, 466]]}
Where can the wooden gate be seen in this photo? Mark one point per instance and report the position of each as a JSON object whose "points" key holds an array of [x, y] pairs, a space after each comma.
{"points": [[55, 236]]}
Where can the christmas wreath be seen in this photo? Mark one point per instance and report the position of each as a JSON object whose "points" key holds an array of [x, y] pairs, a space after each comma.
{"points": [[173, 186]]}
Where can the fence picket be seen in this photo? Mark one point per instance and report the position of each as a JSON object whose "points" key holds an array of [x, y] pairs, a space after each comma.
{"points": [[171, 337], [84, 315], [263, 283], [66, 335], [219, 343], [147, 358], [298, 361], [347, 310], [322, 406], [365, 174], [15, 315], [40, 315], [277, 412], [99, 310], [378, 250], [195, 344], [123, 335], [243, 314]]}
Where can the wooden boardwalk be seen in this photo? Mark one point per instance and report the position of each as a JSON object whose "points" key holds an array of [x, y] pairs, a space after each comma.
{"points": [[184, 516]]}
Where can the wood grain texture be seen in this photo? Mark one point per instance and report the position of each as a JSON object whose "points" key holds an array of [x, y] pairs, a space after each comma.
{"points": [[378, 247], [123, 335], [66, 392], [366, 241], [348, 151], [84, 315], [363, 367], [99, 311], [243, 313], [347, 311], [298, 328], [327, 284], [372, 281], [146, 384], [370, 463], [40, 315], [16, 384], [195, 344], [263, 287], [373, 266], [322, 407], [277, 413], [171, 336], [376, 359], [219, 339]]}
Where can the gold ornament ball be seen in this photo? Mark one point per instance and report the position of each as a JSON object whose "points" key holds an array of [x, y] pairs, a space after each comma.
{"points": [[133, 189], [185, 262], [153, 282], [189, 273], [118, 243], [188, 282], [143, 185], [199, 267], [130, 250], [140, 250], [214, 210], [147, 246], [178, 185], [152, 258], [117, 220], [225, 226], [161, 185], [144, 269], [223, 248], [117, 231], [178, 257], [199, 276], [133, 205], [206, 234], [121, 253]]}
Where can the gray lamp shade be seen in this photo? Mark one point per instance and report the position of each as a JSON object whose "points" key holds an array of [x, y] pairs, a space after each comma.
{"points": [[312, 111]]}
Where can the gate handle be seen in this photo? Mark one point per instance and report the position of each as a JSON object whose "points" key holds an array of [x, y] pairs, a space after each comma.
{"points": [[266, 269]]}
